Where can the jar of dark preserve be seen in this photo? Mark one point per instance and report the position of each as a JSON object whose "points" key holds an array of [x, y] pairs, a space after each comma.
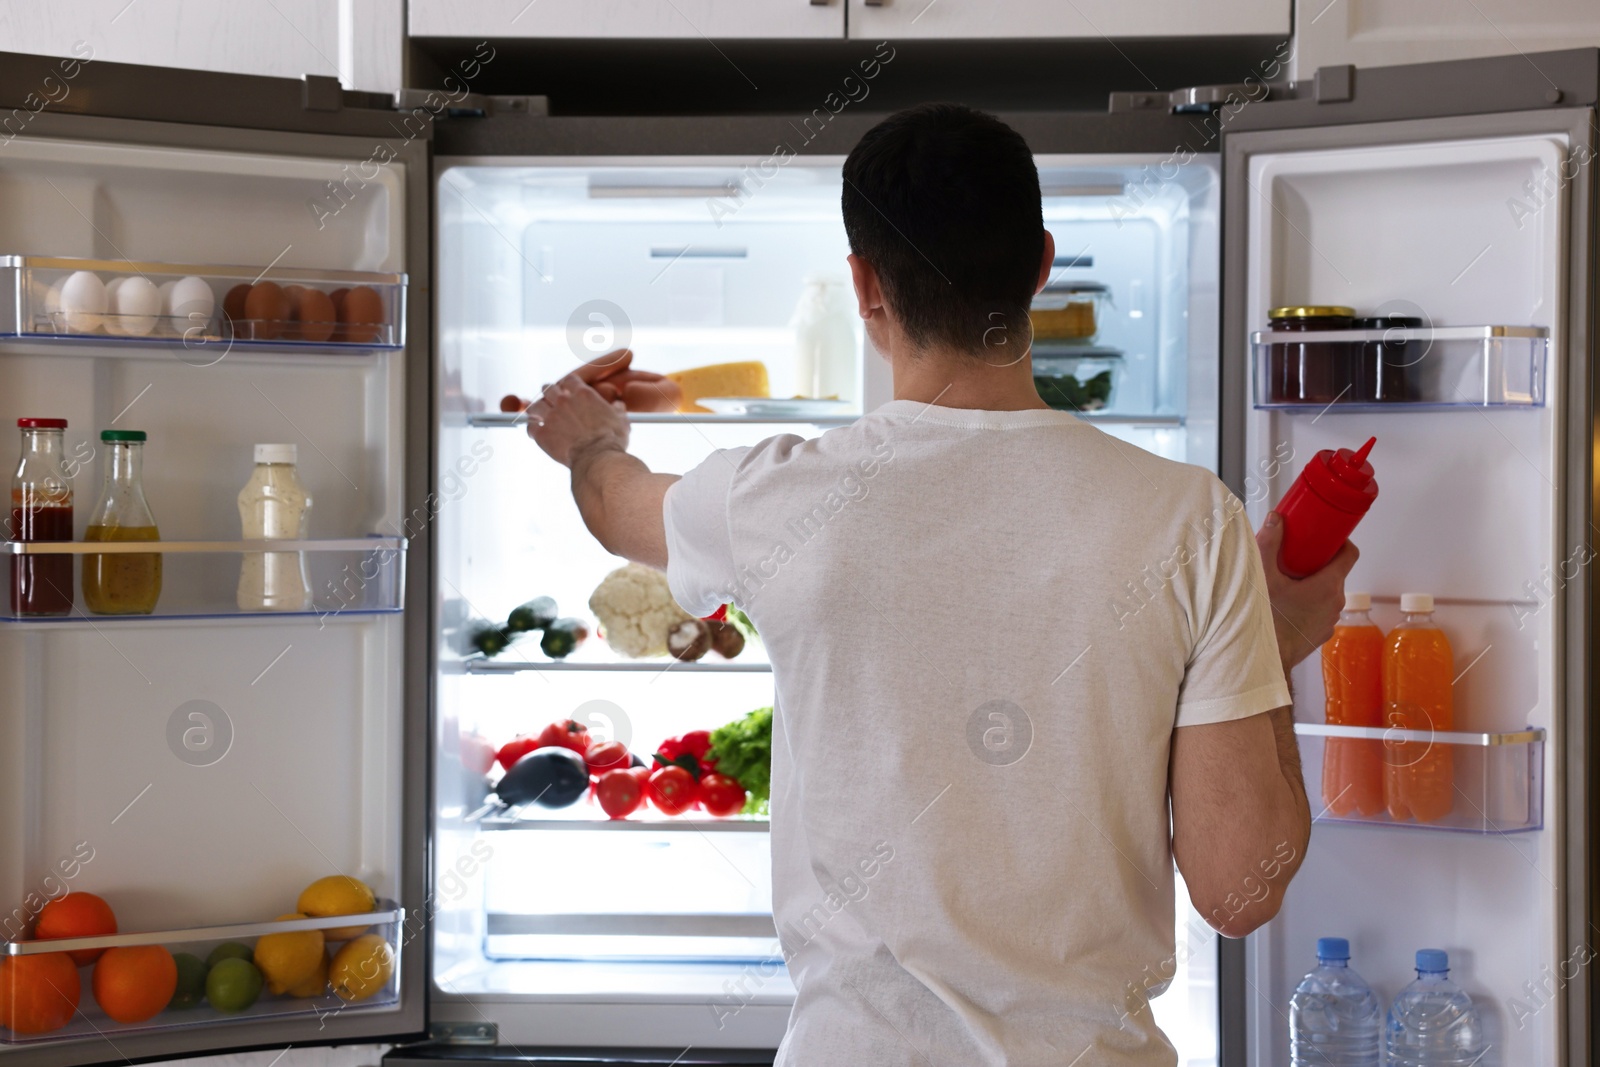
{"points": [[1386, 369], [1309, 371]]}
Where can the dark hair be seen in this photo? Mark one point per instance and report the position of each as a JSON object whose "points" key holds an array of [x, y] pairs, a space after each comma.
{"points": [[943, 202]]}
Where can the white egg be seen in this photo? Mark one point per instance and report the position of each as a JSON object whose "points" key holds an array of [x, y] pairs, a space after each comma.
{"points": [[166, 325], [191, 300], [83, 302], [112, 324], [39, 304], [136, 302]]}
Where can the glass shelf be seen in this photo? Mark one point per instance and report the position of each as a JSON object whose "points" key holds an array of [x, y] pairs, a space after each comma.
{"points": [[89, 1021], [660, 666], [639, 822], [1400, 369], [199, 579], [334, 311], [506, 419], [1496, 779]]}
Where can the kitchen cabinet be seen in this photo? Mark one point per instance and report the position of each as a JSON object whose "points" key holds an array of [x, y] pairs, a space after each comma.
{"points": [[358, 41], [1387, 32], [653, 19], [906, 19]]}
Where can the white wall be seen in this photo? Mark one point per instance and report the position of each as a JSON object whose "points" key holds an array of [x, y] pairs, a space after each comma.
{"points": [[1383, 33], [358, 41]]}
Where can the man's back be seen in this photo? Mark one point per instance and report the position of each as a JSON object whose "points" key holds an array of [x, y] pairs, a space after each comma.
{"points": [[984, 627]]}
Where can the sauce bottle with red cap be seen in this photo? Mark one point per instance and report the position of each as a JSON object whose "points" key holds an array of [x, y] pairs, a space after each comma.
{"points": [[1323, 506]]}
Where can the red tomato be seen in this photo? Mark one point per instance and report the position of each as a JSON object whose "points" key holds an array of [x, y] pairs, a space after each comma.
{"points": [[515, 749], [607, 756], [721, 795], [672, 790], [566, 734], [619, 793]]}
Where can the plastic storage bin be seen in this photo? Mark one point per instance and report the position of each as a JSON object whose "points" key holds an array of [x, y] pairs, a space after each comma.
{"points": [[1068, 311], [116, 302], [1075, 377]]}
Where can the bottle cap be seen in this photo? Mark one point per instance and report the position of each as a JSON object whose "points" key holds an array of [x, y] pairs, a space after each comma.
{"points": [[1433, 960], [136, 436], [1358, 602], [277, 453], [42, 424], [1344, 479], [1333, 948], [1416, 602]]}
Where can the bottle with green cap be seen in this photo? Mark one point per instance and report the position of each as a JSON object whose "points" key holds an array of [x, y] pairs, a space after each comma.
{"points": [[122, 583]]}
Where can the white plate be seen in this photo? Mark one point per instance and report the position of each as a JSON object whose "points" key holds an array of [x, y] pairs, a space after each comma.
{"points": [[760, 405]]}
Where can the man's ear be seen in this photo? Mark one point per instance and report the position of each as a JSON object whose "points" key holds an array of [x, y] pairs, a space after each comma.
{"points": [[869, 295], [1047, 262]]}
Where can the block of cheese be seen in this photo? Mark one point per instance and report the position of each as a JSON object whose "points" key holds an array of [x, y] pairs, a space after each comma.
{"points": [[721, 379]]}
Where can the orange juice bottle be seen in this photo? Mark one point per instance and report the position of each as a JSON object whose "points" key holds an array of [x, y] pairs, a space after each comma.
{"points": [[1352, 675], [1418, 672]]}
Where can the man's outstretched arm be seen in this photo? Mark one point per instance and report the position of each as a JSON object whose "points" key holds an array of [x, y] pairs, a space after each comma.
{"points": [[619, 497]]}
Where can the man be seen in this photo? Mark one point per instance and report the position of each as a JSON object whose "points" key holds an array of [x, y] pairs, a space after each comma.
{"points": [[978, 731]]}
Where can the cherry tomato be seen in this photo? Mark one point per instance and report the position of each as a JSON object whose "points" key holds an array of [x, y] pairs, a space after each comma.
{"points": [[672, 790], [721, 795], [515, 749], [607, 756], [620, 793], [566, 734]]}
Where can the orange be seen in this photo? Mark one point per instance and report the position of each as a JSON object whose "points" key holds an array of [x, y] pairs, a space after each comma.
{"points": [[132, 984], [76, 915], [38, 993]]}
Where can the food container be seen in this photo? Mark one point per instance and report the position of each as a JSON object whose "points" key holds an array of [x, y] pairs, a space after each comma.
{"points": [[1068, 311], [1310, 371], [1075, 377], [1388, 369]]}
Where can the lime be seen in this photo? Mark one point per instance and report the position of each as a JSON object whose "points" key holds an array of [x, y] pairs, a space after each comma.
{"points": [[229, 950], [233, 985], [191, 981]]}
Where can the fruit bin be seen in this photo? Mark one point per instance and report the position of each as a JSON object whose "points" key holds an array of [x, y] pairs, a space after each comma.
{"points": [[381, 936], [1400, 368], [206, 309], [1498, 778]]}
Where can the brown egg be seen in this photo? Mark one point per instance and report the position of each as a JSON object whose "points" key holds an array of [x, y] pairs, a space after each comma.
{"points": [[362, 313], [233, 303], [313, 311], [290, 330], [337, 296], [266, 311]]}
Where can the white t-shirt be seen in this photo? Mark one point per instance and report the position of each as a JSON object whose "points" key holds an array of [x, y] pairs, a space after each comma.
{"points": [[984, 626]]}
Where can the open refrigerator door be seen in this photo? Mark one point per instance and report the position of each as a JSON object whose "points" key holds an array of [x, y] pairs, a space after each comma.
{"points": [[1461, 231], [562, 239], [213, 730]]}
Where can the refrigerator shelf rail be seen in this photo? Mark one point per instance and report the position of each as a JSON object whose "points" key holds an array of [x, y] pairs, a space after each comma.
{"points": [[484, 666], [387, 923], [649, 823], [97, 548], [1496, 779], [488, 419], [187, 306], [1400, 369]]}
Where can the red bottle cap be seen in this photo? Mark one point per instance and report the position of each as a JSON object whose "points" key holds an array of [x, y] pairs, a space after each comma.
{"points": [[42, 424], [1344, 478]]}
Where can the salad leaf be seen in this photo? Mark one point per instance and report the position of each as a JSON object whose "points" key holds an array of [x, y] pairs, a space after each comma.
{"points": [[743, 751]]}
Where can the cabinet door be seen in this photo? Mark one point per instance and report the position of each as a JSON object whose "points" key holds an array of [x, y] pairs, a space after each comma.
{"points": [[902, 19], [627, 18]]}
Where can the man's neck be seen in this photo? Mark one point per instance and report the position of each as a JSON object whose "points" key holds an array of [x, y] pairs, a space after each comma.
{"points": [[963, 380]]}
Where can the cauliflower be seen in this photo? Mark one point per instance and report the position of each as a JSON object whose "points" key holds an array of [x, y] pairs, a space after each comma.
{"points": [[636, 610]]}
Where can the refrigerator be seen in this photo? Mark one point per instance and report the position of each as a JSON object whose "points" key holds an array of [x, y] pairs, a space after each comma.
{"points": [[211, 762]]}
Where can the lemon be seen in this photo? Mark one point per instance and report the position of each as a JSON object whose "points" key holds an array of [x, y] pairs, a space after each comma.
{"points": [[362, 967], [337, 894], [286, 960], [315, 984]]}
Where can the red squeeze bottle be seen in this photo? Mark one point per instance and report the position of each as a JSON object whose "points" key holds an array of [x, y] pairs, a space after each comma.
{"points": [[1323, 506]]}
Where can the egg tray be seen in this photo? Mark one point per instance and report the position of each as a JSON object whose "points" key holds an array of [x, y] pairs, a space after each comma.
{"points": [[165, 304]]}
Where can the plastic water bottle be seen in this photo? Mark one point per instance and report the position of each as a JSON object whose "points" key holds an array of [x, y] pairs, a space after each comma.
{"points": [[1432, 1023], [1334, 1017]]}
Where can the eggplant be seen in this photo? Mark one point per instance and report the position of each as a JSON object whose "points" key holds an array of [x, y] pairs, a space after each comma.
{"points": [[536, 614], [551, 777]]}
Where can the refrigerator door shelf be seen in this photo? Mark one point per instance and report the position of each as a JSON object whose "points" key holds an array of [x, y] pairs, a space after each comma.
{"points": [[1497, 786], [38, 302], [1400, 369], [386, 925], [200, 579]]}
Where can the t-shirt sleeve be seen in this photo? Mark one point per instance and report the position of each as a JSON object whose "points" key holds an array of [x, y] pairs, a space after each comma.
{"points": [[1234, 671], [700, 565]]}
